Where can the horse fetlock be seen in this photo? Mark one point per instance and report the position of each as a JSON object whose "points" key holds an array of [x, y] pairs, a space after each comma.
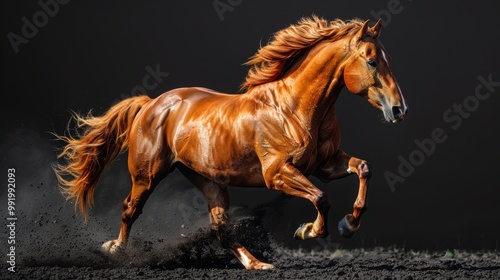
{"points": [[359, 209]]}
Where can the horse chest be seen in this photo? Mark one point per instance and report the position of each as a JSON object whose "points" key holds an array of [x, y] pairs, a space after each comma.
{"points": [[308, 162], [318, 151]]}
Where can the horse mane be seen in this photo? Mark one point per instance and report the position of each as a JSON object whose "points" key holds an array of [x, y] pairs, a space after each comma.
{"points": [[274, 59]]}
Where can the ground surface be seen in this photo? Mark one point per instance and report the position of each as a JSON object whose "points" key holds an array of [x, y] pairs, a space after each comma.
{"points": [[54, 244], [340, 264], [200, 256], [58, 251]]}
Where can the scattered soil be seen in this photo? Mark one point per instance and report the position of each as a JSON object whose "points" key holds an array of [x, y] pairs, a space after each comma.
{"points": [[377, 263], [200, 256]]}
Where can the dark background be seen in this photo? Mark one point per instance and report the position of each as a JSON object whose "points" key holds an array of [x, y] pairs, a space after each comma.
{"points": [[91, 54]]}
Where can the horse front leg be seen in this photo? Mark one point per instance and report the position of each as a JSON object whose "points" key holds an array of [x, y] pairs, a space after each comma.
{"points": [[342, 165], [288, 179]]}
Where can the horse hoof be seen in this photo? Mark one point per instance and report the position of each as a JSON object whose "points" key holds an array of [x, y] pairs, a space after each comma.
{"points": [[264, 266], [303, 232], [346, 229], [306, 232], [110, 247]]}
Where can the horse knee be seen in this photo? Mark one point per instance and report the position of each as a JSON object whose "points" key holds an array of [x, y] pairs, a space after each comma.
{"points": [[322, 202]]}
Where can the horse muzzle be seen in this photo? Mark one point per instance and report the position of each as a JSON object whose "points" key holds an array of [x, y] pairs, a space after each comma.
{"points": [[398, 113]]}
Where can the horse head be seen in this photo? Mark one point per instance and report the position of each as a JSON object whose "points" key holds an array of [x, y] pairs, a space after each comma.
{"points": [[368, 73]]}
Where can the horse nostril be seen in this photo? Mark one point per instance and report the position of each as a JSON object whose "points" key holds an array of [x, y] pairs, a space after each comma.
{"points": [[397, 112]]}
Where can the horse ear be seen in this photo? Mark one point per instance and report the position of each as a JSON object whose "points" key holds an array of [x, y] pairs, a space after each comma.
{"points": [[362, 31], [377, 28]]}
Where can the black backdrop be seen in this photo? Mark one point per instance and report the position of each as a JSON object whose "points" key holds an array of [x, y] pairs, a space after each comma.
{"points": [[85, 56]]}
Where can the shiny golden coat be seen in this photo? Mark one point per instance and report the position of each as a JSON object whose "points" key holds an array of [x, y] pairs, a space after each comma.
{"points": [[276, 134]]}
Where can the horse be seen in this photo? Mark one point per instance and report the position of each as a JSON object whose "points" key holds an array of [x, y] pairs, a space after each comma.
{"points": [[277, 131]]}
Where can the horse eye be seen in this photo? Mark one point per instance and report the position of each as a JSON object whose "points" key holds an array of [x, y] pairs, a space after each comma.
{"points": [[373, 63]]}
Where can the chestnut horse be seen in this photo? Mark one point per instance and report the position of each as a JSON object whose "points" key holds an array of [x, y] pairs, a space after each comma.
{"points": [[276, 134]]}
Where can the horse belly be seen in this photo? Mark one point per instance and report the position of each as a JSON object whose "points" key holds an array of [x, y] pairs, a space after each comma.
{"points": [[219, 153], [240, 175], [226, 167]]}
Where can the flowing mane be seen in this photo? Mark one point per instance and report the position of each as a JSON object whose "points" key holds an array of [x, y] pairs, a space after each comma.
{"points": [[272, 60]]}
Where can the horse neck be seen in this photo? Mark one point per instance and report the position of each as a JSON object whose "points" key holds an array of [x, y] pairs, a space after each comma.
{"points": [[314, 84]]}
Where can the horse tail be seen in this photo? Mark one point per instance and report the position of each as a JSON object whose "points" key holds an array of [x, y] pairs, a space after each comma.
{"points": [[87, 154]]}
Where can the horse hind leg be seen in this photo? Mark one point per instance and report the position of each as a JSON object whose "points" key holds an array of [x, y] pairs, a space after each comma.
{"points": [[132, 208], [146, 172], [218, 204]]}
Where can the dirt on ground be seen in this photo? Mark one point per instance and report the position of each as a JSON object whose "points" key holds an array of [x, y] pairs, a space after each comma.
{"points": [[200, 256], [377, 263]]}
